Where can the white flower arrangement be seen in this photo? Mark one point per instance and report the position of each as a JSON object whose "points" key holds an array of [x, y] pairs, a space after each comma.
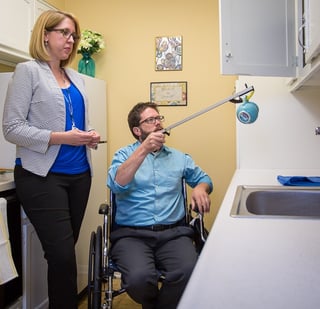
{"points": [[91, 42]]}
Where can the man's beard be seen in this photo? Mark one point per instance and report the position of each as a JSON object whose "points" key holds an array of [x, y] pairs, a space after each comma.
{"points": [[145, 134]]}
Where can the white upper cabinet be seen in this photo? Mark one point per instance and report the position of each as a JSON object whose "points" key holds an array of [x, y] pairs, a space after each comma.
{"points": [[257, 37], [308, 33], [16, 20], [312, 29]]}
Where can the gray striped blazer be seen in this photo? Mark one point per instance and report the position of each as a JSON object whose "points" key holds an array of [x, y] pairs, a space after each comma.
{"points": [[35, 107]]}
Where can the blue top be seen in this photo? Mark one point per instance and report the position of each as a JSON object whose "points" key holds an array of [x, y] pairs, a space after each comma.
{"points": [[154, 196], [72, 159]]}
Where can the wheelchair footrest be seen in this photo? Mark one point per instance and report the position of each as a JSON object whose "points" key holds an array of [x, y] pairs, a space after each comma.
{"points": [[118, 292]]}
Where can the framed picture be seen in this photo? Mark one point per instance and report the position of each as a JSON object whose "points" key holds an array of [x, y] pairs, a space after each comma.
{"points": [[169, 53], [168, 93]]}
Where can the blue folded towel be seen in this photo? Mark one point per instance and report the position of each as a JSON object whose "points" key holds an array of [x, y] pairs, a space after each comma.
{"points": [[305, 181]]}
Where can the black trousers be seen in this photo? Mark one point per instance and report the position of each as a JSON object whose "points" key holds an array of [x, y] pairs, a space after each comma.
{"points": [[55, 205], [141, 254]]}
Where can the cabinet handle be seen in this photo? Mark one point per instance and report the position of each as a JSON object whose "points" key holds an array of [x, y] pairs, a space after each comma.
{"points": [[301, 33], [228, 54]]}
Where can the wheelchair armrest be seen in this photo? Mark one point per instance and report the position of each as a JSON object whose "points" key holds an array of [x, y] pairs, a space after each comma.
{"points": [[198, 227], [191, 213], [104, 209]]}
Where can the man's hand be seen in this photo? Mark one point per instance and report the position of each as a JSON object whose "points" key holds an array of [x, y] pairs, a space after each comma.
{"points": [[200, 200], [154, 141]]}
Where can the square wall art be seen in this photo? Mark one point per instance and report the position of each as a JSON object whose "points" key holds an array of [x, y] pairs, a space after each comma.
{"points": [[169, 53]]}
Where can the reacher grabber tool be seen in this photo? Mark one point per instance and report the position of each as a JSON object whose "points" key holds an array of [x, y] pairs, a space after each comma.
{"points": [[233, 98]]}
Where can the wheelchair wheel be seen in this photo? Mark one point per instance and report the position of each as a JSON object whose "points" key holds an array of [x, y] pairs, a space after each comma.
{"points": [[94, 270], [90, 268]]}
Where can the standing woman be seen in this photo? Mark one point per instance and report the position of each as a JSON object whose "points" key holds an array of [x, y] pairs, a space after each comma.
{"points": [[46, 116]]}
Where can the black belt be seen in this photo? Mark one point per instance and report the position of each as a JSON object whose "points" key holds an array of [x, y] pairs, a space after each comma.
{"points": [[156, 227]]}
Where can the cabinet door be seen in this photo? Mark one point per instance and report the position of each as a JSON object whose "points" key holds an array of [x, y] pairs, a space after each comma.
{"points": [[257, 37], [16, 21], [312, 20], [35, 294]]}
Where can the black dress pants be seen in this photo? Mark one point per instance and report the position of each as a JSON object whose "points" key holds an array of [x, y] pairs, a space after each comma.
{"points": [[141, 254], [55, 205]]}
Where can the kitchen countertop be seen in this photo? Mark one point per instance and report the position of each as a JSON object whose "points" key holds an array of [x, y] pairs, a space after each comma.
{"points": [[6, 181], [257, 263]]}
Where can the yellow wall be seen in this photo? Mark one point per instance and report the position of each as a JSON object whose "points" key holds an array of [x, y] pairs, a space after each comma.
{"points": [[127, 65], [6, 68], [60, 4]]}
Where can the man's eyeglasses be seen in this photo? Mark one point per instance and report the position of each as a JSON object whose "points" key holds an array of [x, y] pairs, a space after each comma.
{"points": [[66, 33], [152, 120]]}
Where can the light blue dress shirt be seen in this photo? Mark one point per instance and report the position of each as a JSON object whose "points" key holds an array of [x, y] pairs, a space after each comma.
{"points": [[154, 196]]}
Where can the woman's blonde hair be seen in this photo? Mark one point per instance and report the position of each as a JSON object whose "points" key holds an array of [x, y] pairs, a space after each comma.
{"points": [[49, 20]]}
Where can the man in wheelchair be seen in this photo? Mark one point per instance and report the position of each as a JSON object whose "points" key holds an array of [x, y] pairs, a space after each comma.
{"points": [[152, 235]]}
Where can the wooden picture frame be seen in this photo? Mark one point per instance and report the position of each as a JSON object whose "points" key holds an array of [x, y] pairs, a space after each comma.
{"points": [[169, 93]]}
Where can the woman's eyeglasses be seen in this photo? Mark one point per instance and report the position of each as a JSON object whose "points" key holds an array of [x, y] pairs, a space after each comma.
{"points": [[66, 33], [152, 120]]}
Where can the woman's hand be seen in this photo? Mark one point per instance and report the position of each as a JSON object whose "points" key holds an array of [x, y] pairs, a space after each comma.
{"points": [[75, 137], [95, 139]]}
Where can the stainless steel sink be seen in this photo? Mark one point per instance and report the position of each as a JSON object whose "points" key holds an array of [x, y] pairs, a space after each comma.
{"points": [[276, 201]]}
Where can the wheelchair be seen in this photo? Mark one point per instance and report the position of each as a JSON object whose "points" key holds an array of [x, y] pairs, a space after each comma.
{"points": [[102, 270]]}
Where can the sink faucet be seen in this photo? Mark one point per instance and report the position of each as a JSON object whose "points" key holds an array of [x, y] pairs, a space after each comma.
{"points": [[317, 130]]}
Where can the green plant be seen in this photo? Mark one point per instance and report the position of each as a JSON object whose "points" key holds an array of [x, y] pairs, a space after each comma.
{"points": [[91, 42]]}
